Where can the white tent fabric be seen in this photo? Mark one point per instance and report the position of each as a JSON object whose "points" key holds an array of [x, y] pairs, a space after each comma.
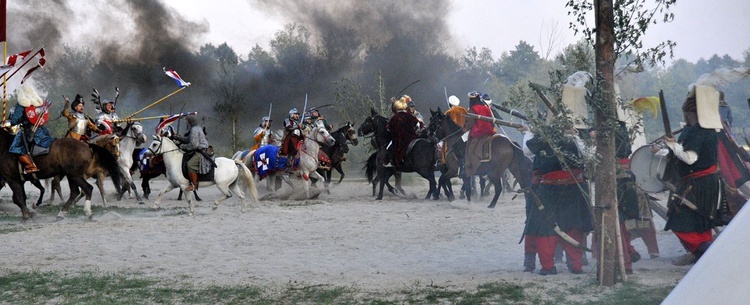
{"points": [[720, 276]]}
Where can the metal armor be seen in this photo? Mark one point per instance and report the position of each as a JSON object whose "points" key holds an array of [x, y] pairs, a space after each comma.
{"points": [[80, 126]]}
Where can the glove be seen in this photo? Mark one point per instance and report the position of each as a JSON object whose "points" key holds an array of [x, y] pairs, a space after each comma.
{"points": [[296, 132]]}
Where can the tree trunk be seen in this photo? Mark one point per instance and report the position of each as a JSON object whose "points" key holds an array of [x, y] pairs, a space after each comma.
{"points": [[605, 206]]}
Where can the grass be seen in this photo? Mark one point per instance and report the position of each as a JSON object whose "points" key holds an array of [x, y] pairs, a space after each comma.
{"points": [[97, 288]]}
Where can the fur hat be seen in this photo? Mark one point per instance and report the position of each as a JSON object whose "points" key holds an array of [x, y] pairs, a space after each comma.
{"points": [[76, 101], [453, 100], [27, 96]]}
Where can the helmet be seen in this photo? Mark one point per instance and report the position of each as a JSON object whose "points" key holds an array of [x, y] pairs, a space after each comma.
{"points": [[402, 103], [192, 120], [410, 104], [487, 99], [453, 100], [293, 111], [76, 101], [474, 94], [265, 118], [104, 105]]}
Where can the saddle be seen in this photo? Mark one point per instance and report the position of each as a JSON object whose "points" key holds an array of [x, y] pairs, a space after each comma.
{"points": [[209, 176], [324, 161]]}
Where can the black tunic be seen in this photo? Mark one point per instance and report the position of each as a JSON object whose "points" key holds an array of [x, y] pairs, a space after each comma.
{"points": [[627, 198], [705, 191]]}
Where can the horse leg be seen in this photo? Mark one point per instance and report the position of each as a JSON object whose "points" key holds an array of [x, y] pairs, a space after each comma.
{"points": [[383, 177], [19, 194], [468, 185], [145, 186], [498, 184], [398, 183], [55, 186], [161, 194], [100, 185], [341, 173], [39, 186], [224, 191], [179, 196], [197, 198], [236, 189]]}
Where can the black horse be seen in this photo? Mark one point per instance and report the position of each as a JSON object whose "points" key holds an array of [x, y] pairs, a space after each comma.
{"points": [[420, 158], [67, 157], [445, 130], [337, 152]]}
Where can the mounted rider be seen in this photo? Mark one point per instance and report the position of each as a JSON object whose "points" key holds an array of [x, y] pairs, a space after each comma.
{"points": [[403, 127], [317, 118], [31, 113], [456, 113], [292, 136], [480, 132], [107, 118], [80, 124], [421, 127], [195, 142], [263, 134]]}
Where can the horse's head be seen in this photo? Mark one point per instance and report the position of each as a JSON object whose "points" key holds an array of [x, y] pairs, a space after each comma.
{"points": [[112, 144], [135, 131], [321, 135], [350, 134], [161, 145]]}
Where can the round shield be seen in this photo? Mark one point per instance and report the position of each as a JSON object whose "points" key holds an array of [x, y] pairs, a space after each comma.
{"points": [[648, 167]]}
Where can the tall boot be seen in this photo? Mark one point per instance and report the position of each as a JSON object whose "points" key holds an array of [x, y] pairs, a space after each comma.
{"points": [[193, 177], [529, 262], [28, 164]]}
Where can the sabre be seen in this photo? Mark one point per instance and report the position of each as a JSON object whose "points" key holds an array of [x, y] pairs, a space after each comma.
{"points": [[154, 103], [407, 86], [117, 95], [552, 223], [302, 119], [446, 94]]}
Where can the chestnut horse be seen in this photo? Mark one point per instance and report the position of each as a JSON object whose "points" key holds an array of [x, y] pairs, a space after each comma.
{"points": [[67, 157]]}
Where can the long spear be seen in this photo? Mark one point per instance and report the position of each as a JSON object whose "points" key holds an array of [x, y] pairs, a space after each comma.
{"points": [[493, 120], [152, 104], [151, 117]]}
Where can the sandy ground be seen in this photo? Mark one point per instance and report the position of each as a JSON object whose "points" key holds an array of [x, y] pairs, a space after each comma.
{"points": [[342, 238]]}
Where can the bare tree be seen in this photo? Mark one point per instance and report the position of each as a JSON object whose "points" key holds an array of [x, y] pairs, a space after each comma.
{"points": [[549, 38]]}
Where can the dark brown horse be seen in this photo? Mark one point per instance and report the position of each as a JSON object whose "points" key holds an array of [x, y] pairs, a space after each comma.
{"points": [[505, 154], [445, 130], [344, 135], [67, 157]]}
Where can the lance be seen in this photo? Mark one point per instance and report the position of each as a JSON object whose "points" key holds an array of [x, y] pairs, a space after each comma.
{"points": [[445, 89], [493, 120], [154, 103], [544, 98], [512, 112], [152, 117]]}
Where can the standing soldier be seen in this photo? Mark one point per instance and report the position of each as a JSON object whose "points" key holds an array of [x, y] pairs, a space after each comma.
{"points": [[292, 137], [80, 125], [30, 113], [262, 134], [696, 151]]}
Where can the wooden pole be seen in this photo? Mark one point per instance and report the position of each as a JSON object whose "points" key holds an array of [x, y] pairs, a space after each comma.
{"points": [[152, 104]]}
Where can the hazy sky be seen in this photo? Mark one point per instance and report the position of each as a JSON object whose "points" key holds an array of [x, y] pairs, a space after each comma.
{"points": [[700, 28]]}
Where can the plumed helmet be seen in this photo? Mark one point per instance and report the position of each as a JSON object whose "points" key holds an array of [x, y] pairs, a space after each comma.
{"points": [[402, 103], [27, 96], [104, 105], [453, 100], [78, 100], [192, 120], [487, 99], [293, 111]]}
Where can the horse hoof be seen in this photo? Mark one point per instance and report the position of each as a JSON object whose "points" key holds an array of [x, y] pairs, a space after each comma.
{"points": [[215, 207], [141, 202], [59, 217]]}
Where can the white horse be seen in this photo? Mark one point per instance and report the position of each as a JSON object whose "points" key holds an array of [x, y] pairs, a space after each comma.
{"points": [[228, 175], [308, 155], [132, 136], [247, 157]]}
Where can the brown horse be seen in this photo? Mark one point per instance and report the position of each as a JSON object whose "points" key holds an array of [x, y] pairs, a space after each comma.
{"points": [[67, 157], [109, 142], [505, 154]]}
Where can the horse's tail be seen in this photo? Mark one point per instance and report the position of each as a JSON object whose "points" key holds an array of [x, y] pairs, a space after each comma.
{"points": [[107, 160], [249, 181], [371, 167]]}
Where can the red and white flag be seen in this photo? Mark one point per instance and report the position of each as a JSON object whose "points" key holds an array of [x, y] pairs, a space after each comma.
{"points": [[12, 60], [176, 77], [40, 64], [169, 120]]}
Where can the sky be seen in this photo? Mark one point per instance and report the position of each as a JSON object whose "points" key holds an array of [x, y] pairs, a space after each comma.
{"points": [[700, 28]]}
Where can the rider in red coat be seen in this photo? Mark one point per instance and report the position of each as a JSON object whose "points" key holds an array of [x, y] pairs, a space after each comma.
{"points": [[403, 127]]}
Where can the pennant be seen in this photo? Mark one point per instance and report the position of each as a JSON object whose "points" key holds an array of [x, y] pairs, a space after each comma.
{"points": [[170, 119], [11, 61], [176, 77], [42, 61]]}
